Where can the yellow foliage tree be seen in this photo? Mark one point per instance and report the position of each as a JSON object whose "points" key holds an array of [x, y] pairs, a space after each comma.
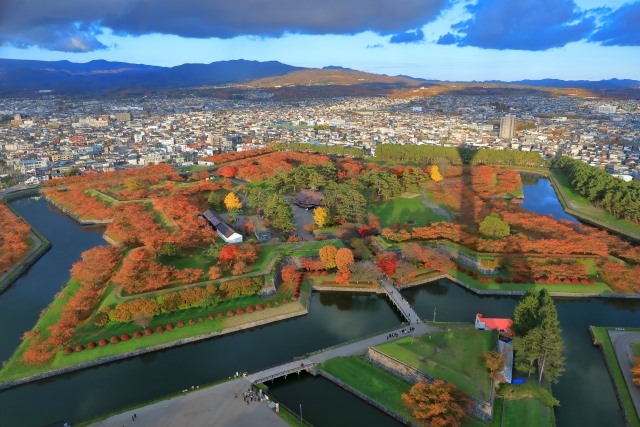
{"points": [[435, 174], [231, 201], [320, 215]]}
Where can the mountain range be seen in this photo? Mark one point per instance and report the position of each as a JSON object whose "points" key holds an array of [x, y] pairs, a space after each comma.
{"points": [[25, 77]]}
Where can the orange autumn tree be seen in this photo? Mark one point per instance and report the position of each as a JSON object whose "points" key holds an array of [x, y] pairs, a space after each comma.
{"points": [[344, 260], [635, 371], [436, 404], [328, 256], [14, 234]]}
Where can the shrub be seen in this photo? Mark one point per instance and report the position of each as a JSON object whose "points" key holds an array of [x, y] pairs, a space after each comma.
{"points": [[148, 331], [285, 300], [294, 297], [200, 319], [169, 327], [79, 347], [103, 342], [180, 324], [220, 315], [250, 309], [277, 303], [259, 307], [125, 337], [490, 280], [114, 340], [239, 310], [499, 280], [68, 350], [269, 305], [230, 313], [211, 317], [592, 281], [159, 329], [584, 281], [91, 344], [483, 280], [137, 334], [192, 322]]}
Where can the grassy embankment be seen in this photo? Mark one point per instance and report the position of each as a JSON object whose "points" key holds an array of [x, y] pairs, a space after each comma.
{"points": [[602, 339], [454, 356], [574, 204]]}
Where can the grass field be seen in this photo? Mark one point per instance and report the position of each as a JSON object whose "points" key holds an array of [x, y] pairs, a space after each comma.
{"points": [[370, 380], [403, 209], [526, 413], [454, 356], [582, 208], [602, 337]]}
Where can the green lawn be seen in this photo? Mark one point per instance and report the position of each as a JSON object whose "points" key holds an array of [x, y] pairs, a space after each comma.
{"points": [[526, 413], [587, 210], [370, 380], [454, 356], [602, 337], [596, 288], [403, 209]]}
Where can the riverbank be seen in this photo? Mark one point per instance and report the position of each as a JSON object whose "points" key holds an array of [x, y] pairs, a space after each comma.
{"points": [[578, 206], [298, 310], [614, 354], [39, 247]]}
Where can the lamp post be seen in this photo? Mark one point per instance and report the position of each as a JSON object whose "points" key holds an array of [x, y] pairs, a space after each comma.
{"points": [[301, 413]]}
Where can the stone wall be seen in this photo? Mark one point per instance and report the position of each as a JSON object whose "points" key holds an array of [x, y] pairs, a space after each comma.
{"points": [[479, 409]]}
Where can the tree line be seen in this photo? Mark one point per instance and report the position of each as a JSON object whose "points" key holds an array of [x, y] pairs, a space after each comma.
{"points": [[321, 149], [457, 156], [621, 199]]}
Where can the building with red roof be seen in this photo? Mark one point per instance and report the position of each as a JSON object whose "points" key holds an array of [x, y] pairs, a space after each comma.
{"points": [[503, 326]]}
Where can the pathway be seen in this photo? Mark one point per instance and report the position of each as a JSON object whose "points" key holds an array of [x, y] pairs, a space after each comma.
{"points": [[212, 406], [622, 341], [398, 300], [352, 348]]}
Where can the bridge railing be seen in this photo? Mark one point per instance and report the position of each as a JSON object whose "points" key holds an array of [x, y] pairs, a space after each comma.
{"points": [[279, 374], [403, 324]]}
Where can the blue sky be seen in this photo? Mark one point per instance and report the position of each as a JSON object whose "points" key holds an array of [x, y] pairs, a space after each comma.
{"points": [[434, 39]]}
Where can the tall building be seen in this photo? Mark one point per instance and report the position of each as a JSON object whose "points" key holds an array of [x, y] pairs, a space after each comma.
{"points": [[508, 126]]}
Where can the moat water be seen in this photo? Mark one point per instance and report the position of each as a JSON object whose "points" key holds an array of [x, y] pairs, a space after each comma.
{"points": [[585, 390]]}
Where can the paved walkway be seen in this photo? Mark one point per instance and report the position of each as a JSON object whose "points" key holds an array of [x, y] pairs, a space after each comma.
{"points": [[622, 341], [213, 406], [401, 304], [349, 349]]}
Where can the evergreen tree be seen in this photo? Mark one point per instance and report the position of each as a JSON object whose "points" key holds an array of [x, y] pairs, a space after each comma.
{"points": [[538, 343]]}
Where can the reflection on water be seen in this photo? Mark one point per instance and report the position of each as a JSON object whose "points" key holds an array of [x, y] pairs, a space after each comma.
{"points": [[539, 197]]}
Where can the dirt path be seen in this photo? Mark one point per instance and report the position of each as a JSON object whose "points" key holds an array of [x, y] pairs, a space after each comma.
{"points": [[435, 207]]}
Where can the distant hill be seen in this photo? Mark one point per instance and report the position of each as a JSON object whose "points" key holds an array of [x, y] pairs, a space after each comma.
{"points": [[332, 76], [583, 84], [24, 77]]}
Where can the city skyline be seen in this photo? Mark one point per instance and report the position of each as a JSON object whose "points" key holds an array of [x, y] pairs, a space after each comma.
{"points": [[433, 39]]}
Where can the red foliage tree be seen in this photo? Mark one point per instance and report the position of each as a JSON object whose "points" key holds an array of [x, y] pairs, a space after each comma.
{"points": [[387, 262]]}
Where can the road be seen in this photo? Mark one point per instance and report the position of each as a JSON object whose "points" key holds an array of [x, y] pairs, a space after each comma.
{"points": [[622, 341]]}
